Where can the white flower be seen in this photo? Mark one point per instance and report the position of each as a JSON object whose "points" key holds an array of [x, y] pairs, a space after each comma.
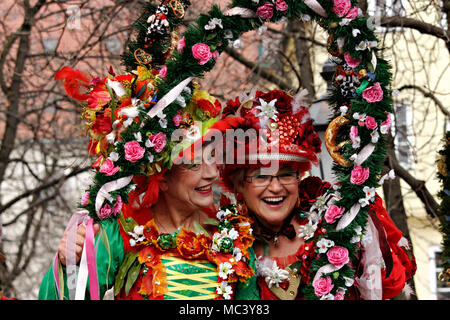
{"points": [[355, 32], [305, 17], [361, 46], [132, 242], [150, 157], [307, 231], [180, 99], [228, 34], [163, 123], [388, 176], [193, 133], [213, 23], [113, 156], [237, 253], [225, 269], [149, 144], [224, 290], [340, 42], [345, 22], [117, 87], [274, 275], [111, 137], [127, 122], [138, 230], [356, 143], [375, 136], [138, 136], [267, 109], [370, 196], [216, 241], [359, 117], [328, 296], [233, 234], [348, 281], [321, 203], [323, 245], [372, 44], [343, 110], [129, 112]]}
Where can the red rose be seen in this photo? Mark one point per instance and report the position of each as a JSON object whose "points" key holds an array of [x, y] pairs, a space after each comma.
{"points": [[231, 107], [309, 189], [207, 106], [102, 124], [284, 101]]}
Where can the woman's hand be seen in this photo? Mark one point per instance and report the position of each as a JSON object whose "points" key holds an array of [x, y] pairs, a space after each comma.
{"points": [[81, 231]]}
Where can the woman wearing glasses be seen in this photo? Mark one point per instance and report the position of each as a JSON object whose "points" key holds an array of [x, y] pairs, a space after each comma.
{"points": [[279, 145]]}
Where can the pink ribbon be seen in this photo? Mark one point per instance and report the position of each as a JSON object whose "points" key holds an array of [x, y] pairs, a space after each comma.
{"points": [[316, 7], [91, 261], [72, 277]]}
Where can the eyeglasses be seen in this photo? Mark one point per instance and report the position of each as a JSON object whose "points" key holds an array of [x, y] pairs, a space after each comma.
{"points": [[262, 180]]}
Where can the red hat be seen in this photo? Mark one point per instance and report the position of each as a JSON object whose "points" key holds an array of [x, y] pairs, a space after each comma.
{"points": [[277, 127]]}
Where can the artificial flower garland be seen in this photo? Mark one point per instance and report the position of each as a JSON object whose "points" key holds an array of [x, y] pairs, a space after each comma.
{"points": [[227, 248], [360, 94], [444, 208]]}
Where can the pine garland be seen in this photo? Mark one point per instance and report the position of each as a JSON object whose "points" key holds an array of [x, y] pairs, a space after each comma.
{"points": [[444, 208], [361, 94]]}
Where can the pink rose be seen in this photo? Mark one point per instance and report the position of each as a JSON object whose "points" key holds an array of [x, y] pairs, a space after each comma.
{"points": [[105, 212], [353, 63], [133, 151], [163, 72], [108, 168], [359, 175], [341, 7], [352, 14], [371, 123], [176, 119], [338, 256], [281, 5], [118, 205], [353, 132], [265, 11], [181, 44], [333, 212], [322, 286], [158, 141], [373, 93], [215, 55], [85, 199], [202, 53], [338, 296]]}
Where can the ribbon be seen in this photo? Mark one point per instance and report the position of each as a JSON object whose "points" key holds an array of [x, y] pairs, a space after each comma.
{"points": [[348, 217], [168, 98], [71, 270], [364, 153], [316, 7], [369, 282], [109, 187], [238, 11], [384, 245], [328, 268]]}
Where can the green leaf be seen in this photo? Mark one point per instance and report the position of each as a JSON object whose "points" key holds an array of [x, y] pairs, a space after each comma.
{"points": [[198, 228], [142, 91], [132, 276], [127, 224], [123, 270], [211, 221]]}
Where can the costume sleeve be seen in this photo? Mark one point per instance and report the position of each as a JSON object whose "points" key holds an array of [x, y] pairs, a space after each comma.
{"points": [[248, 290], [108, 262], [403, 261]]}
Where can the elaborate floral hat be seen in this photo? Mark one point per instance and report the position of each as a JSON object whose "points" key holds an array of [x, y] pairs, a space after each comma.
{"points": [[269, 126]]}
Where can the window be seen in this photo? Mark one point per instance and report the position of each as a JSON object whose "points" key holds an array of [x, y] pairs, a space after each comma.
{"points": [[385, 8], [439, 290], [402, 130]]}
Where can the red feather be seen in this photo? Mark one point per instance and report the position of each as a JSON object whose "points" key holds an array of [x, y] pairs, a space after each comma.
{"points": [[75, 82]]}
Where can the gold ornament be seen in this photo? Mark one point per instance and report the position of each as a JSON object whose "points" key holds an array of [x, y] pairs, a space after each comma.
{"points": [[177, 8], [291, 291], [142, 57], [330, 140]]}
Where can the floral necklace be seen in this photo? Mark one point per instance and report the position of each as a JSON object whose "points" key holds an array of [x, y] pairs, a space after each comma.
{"points": [[227, 249]]}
